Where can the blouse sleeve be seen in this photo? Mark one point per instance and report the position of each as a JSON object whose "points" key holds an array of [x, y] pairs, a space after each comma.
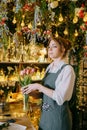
{"points": [[64, 85]]}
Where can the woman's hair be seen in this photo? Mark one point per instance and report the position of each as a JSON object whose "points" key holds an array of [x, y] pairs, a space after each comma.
{"points": [[63, 43]]}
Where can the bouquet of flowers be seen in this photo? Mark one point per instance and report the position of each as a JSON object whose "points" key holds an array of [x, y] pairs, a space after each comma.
{"points": [[81, 13], [24, 80]]}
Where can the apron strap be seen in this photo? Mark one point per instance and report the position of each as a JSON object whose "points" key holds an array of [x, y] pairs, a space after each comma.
{"points": [[59, 71]]}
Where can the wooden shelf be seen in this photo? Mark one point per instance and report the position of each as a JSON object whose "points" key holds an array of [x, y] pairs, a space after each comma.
{"points": [[3, 62]]}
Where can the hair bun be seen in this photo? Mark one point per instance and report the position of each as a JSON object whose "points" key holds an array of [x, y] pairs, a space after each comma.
{"points": [[65, 42]]}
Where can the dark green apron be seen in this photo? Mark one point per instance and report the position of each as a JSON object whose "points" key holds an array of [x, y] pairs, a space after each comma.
{"points": [[54, 116]]}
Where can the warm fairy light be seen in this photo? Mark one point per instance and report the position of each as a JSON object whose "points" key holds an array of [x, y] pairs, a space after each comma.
{"points": [[56, 34], [60, 18], [23, 16], [22, 23], [14, 20], [30, 25], [76, 33], [66, 31], [75, 20], [85, 18], [14, 9]]}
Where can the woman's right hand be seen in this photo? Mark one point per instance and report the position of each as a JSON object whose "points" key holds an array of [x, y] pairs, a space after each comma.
{"points": [[31, 87]]}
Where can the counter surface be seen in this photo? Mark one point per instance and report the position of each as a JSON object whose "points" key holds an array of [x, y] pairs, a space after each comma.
{"points": [[15, 111]]}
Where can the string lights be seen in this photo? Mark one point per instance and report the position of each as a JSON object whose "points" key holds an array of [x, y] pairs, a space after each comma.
{"points": [[60, 18], [66, 31]]}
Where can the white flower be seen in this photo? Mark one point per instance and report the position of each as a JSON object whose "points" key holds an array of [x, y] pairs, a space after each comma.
{"points": [[54, 4], [21, 72]]}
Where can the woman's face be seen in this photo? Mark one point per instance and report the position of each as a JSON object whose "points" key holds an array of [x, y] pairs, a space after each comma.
{"points": [[54, 50]]}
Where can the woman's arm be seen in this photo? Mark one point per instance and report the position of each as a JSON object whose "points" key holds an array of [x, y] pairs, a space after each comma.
{"points": [[36, 86], [64, 85]]}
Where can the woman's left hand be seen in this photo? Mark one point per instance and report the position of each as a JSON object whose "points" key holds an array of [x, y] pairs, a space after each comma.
{"points": [[31, 87]]}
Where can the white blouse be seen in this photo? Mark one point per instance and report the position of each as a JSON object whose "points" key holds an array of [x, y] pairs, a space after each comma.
{"points": [[64, 82]]}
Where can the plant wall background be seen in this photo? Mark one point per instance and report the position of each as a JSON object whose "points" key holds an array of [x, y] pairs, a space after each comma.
{"points": [[24, 20], [40, 18]]}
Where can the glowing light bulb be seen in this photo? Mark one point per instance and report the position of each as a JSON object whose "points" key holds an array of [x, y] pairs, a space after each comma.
{"points": [[60, 18], [23, 16], [76, 33], [14, 20], [14, 9], [56, 34], [75, 20], [22, 23], [30, 25], [85, 18], [66, 31]]}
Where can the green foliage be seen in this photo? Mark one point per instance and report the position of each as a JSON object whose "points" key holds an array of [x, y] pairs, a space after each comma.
{"points": [[43, 7], [66, 8], [25, 80], [71, 10]]}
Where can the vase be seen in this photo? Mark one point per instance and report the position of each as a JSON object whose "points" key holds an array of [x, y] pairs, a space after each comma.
{"points": [[25, 102]]}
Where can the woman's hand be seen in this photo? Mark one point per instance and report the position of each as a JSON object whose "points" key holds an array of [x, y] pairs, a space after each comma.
{"points": [[36, 86], [31, 87]]}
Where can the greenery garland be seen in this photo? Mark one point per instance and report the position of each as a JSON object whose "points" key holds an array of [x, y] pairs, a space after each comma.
{"points": [[66, 8]]}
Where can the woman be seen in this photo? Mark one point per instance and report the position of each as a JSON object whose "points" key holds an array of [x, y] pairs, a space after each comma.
{"points": [[57, 88]]}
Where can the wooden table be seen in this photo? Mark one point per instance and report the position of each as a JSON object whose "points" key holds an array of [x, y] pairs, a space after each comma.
{"points": [[26, 122], [16, 112]]}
